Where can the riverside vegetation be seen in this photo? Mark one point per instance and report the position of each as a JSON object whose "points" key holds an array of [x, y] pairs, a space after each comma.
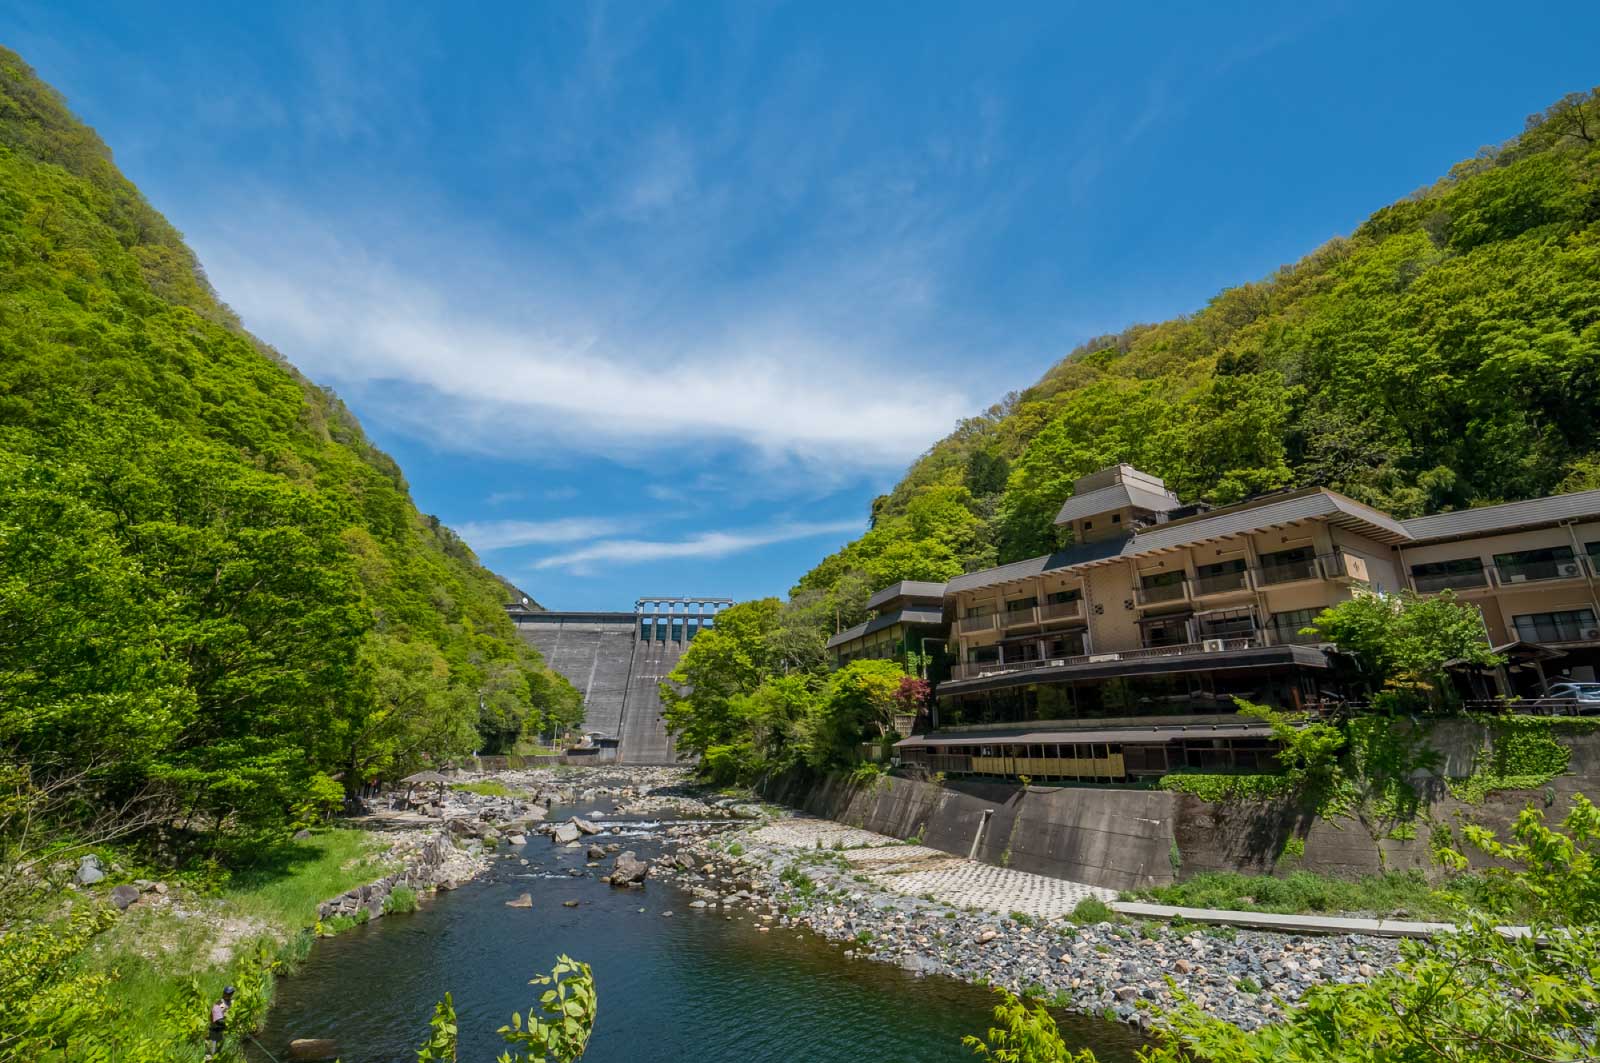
{"points": [[220, 612]]}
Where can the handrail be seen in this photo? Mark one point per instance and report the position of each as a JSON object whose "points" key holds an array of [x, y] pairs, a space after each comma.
{"points": [[1182, 649]]}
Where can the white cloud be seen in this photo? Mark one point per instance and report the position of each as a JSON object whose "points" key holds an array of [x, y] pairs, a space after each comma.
{"points": [[484, 536], [500, 498], [492, 358], [713, 544]]}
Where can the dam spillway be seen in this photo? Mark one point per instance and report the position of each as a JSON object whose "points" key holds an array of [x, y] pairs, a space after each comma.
{"points": [[617, 661]]}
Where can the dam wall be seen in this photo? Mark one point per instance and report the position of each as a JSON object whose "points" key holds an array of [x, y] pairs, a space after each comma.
{"points": [[617, 661]]}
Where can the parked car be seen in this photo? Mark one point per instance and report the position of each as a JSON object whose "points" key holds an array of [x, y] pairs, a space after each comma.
{"points": [[1572, 697], [1577, 691]]}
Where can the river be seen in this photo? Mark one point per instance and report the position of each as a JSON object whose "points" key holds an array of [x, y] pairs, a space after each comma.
{"points": [[693, 986]]}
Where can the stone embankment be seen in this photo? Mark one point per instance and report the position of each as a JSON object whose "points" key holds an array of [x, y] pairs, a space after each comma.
{"points": [[932, 913]]}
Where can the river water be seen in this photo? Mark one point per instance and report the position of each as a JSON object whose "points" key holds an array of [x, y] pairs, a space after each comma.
{"points": [[693, 986]]}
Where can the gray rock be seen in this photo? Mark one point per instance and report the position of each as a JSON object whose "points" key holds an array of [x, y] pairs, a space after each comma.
{"points": [[123, 896], [302, 835], [312, 1050], [629, 870], [566, 834], [524, 901], [89, 872]]}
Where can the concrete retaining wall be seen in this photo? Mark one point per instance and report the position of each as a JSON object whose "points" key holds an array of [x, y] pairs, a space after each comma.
{"points": [[1127, 839]]}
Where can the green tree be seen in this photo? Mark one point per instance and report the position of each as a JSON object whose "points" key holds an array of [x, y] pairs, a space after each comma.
{"points": [[1404, 641]]}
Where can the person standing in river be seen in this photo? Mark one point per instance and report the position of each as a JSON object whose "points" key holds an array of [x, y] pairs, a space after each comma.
{"points": [[219, 1023]]}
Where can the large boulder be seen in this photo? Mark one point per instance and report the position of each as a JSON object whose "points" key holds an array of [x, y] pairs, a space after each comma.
{"points": [[566, 834], [584, 825], [629, 870]]}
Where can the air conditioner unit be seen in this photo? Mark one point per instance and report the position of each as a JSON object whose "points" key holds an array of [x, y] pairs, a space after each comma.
{"points": [[1520, 577], [1568, 570], [1102, 658], [1592, 633], [1213, 645]]}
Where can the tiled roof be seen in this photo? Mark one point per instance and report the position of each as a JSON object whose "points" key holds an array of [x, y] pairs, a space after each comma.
{"points": [[1078, 554], [906, 588], [1249, 517], [1117, 496], [1487, 519], [890, 619]]}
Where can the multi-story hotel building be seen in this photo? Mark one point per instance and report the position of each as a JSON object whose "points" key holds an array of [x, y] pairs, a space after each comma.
{"points": [[907, 617], [1121, 655]]}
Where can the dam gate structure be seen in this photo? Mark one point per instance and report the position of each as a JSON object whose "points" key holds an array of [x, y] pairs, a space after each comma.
{"points": [[617, 661]]}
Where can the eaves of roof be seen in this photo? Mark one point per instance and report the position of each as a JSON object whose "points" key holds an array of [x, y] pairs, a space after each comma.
{"points": [[1509, 516]]}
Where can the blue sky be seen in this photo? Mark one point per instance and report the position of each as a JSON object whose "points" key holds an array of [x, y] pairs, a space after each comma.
{"points": [[653, 299]]}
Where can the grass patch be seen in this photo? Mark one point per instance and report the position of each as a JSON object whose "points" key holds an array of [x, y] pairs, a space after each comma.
{"points": [[1093, 910], [488, 788], [154, 953], [1304, 892], [401, 899]]}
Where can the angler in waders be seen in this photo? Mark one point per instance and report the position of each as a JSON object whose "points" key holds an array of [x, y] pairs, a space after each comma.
{"points": [[219, 1023]]}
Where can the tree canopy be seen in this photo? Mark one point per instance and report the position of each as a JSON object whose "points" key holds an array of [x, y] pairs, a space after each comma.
{"points": [[215, 592]]}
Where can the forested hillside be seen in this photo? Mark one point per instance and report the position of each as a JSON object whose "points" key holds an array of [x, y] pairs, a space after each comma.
{"points": [[1446, 354], [216, 597]]}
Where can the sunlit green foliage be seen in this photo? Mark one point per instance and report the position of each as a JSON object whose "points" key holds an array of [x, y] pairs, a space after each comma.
{"points": [[1403, 641], [215, 593]]}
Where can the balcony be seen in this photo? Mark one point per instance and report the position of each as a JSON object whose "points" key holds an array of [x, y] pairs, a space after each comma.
{"points": [[1288, 572], [1511, 574], [1176, 591], [1182, 649], [972, 625], [1061, 611], [1223, 583], [1026, 616]]}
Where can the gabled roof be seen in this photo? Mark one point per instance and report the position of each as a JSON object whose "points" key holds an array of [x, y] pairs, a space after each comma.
{"points": [[906, 588], [1078, 554], [932, 617], [1505, 517], [1115, 497], [1315, 503]]}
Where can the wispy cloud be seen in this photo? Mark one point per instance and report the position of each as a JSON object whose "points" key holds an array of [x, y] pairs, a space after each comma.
{"points": [[475, 371], [500, 498], [489, 535], [713, 544]]}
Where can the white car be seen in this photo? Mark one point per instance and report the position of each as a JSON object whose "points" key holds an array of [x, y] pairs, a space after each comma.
{"points": [[1587, 695]]}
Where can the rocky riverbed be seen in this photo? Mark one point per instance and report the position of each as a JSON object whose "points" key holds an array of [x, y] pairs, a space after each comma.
{"points": [[922, 910]]}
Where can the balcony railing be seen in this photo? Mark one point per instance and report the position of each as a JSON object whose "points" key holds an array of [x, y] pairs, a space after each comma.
{"points": [[1439, 581], [1184, 649], [1536, 571], [1021, 617], [1222, 583], [1163, 592], [1288, 572], [1061, 610], [971, 625]]}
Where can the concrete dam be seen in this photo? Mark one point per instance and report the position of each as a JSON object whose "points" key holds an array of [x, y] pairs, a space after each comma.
{"points": [[617, 661]]}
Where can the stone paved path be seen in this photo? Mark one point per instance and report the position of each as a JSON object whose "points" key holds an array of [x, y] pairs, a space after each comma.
{"points": [[916, 870]]}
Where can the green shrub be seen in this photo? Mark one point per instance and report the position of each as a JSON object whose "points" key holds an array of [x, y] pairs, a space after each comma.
{"points": [[1093, 910], [401, 899]]}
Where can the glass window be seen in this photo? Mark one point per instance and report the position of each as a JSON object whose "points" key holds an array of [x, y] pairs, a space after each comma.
{"points": [[1021, 603], [1286, 626], [1553, 562], [1063, 597], [1161, 579], [1287, 565], [1457, 572], [1572, 625]]}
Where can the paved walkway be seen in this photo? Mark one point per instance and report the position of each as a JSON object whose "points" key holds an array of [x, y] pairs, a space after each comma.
{"points": [[1297, 924], [918, 871]]}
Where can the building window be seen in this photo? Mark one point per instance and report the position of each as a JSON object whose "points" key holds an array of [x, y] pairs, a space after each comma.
{"points": [[1230, 624], [1553, 562], [1168, 631], [1286, 566], [1457, 572], [1067, 597], [1220, 577], [1572, 625], [1116, 518], [1286, 626], [1594, 557], [983, 655], [1088, 524]]}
